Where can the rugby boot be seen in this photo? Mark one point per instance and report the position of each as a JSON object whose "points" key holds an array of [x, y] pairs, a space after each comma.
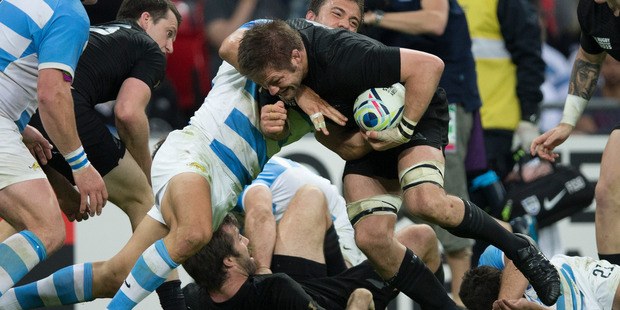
{"points": [[541, 274]]}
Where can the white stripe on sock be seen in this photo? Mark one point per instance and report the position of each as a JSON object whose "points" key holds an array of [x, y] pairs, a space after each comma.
{"points": [[78, 281], [156, 263], [136, 292], [23, 249], [8, 301], [6, 281], [48, 293]]}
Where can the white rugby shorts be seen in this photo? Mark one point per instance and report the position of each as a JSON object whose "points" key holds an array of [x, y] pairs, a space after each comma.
{"points": [[16, 162], [188, 150]]}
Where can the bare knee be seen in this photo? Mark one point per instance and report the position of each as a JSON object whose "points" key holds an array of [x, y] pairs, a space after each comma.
{"points": [[372, 239], [428, 205], [607, 197], [50, 230], [187, 241]]}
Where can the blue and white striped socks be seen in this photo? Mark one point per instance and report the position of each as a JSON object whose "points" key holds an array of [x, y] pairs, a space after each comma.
{"points": [[151, 270], [66, 286], [18, 255]]}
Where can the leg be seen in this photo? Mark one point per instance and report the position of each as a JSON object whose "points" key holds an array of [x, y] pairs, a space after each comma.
{"points": [[85, 282], [40, 222], [129, 189], [301, 230], [421, 239], [607, 217], [426, 199], [374, 235], [186, 194], [361, 299]]}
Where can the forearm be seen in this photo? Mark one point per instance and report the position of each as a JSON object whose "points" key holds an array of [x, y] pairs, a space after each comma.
{"points": [[513, 283], [586, 70], [219, 29], [347, 143], [134, 132], [56, 110], [230, 48], [260, 228], [432, 22]]}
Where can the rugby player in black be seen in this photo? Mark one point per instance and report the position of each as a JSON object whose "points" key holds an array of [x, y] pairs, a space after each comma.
{"points": [[600, 36], [338, 65], [123, 61], [226, 278]]}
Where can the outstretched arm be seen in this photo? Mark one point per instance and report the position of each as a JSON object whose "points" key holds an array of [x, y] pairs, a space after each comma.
{"points": [[584, 77], [58, 118]]}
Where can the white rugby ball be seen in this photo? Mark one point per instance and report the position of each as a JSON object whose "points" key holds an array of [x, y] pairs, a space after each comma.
{"points": [[379, 108]]}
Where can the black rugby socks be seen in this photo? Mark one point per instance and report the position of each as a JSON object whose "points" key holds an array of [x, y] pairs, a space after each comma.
{"points": [[479, 225], [415, 280], [171, 296]]}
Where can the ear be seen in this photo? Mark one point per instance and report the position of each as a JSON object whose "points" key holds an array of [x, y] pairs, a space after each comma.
{"points": [[144, 20], [310, 15], [296, 57], [228, 262]]}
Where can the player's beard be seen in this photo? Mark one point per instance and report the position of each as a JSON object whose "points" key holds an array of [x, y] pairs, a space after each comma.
{"points": [[247, 265]]}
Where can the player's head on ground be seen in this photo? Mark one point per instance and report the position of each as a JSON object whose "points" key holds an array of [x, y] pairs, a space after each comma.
{"points": [[480, 287], [346, 14], [273, 55], [159, 18], [227, 249]]}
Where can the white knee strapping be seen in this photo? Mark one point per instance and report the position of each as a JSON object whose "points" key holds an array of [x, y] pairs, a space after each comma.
{"points": [[377, 205], [428, 171]]}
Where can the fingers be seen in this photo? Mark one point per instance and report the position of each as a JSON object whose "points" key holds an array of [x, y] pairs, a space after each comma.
{"points": [[319, 121]]}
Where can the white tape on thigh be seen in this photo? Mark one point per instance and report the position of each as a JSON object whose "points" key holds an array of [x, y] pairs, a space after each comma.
{"points": [[428, 171], [377, 205]]}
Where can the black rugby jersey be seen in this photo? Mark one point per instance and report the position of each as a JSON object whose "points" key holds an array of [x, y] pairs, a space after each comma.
{"points": [[117, 51], [600, 29], [342, 64]]}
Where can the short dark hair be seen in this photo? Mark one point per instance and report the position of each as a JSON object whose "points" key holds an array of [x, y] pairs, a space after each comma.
{"points": [[315, 5], [480, 287], [267, 46], [206, 267], [133, 9]]}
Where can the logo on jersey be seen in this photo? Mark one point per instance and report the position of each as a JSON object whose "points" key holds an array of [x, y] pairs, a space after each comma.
{"points": [[197, 166], [603, 42], [35, 166]]}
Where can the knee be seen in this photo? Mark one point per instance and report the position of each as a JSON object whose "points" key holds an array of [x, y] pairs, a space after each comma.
{"points": [[189, 241], [371, 239], [51, 231], [606, 196], [427, 205]]}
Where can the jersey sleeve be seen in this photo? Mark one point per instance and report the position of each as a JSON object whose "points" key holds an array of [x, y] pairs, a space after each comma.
{"points": [[150, 66], [365, 60], [63, 39], [589, 45], [493, 257]]}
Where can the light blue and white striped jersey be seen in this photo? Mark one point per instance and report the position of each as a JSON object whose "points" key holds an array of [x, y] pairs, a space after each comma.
{"points": [[35, 35], [284, 177], [587, 284]]}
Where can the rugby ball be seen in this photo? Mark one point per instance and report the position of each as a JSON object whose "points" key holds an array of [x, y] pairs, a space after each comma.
{"points": [[379, 108]]}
